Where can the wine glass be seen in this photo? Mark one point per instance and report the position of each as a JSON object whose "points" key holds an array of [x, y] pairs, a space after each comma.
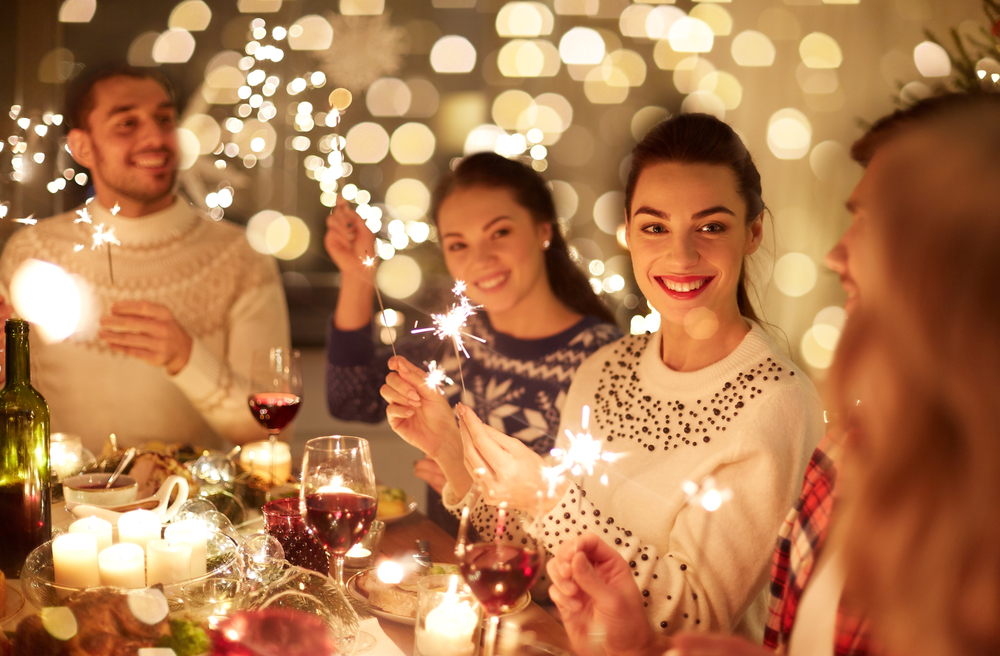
{"points": [[499, 568], [338, 500], [275, 393]]}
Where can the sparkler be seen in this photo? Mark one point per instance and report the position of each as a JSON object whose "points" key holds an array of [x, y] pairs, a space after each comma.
{"points": [[450, 325], [436, 378], [369, 262], [582, 455], [100, 236], [28, 220]]}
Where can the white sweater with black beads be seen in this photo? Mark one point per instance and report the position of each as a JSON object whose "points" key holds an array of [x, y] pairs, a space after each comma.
{"points": [[750, 421]]}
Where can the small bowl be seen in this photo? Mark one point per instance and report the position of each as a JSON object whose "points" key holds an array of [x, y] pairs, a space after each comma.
{"points": [[38, 574], [89, 490]]}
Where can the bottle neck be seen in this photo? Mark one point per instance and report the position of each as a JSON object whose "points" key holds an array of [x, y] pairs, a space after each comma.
{"points": [[18, 360]]}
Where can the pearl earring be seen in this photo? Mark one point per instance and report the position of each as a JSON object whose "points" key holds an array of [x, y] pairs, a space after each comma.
{"points": [[545, 245]]}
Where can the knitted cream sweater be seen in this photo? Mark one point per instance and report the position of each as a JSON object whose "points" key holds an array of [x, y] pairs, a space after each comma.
{"points": [[750, 421], [224, 294]]}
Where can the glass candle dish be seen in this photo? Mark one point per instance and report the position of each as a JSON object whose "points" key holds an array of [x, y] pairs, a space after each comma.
{"points": [[363, 554], [283, 520], [449, 619], [211, 600]]}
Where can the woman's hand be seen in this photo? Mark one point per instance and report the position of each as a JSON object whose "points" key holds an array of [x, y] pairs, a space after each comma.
{"points": [[431, 473], [714, 644], [599, 602], [348, 241], [419, 414], [505, 468]]}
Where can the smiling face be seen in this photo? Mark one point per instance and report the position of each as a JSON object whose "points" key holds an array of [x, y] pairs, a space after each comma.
{"points": [[494, 245], [129, 143], [688, 235]]}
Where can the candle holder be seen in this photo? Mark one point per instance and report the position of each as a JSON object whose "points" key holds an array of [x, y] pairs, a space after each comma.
{"points": [[212, 600], [283, 520], [40, 588], [363, 554], [449, 618]]}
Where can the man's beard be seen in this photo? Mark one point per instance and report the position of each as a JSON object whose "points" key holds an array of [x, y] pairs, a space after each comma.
{"points": [[134, 192]]}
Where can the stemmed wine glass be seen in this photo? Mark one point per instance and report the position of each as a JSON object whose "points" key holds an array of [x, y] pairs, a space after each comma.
{"points": [[499, 568], [338, 500], [275, 392]]}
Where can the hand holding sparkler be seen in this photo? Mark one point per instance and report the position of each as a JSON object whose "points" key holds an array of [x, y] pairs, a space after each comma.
{"points": [[422, 417], [600, 605], [505, 468], [348, 241]]}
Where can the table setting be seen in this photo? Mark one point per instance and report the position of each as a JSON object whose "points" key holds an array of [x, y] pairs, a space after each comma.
{"points": [[175, 549]]}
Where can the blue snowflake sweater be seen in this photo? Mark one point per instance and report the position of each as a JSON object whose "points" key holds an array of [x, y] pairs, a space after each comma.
{"points": [[518, 386]]}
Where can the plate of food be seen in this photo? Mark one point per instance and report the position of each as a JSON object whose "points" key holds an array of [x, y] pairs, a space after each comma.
{"points": [[398, 602], [394, 504]]}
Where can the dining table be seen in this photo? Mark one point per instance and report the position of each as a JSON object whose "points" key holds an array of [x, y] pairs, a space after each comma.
{"points": [[400, 539]]}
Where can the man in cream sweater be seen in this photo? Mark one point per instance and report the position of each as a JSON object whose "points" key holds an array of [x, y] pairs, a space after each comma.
{"points": [[166, 354]]}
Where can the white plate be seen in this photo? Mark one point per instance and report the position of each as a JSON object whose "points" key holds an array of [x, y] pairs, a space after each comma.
{"points": [[411, 505], [15, 602], [352, 589]]}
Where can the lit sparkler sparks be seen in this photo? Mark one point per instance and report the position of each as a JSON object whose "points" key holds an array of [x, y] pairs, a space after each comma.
{"points": [[100, 236], [436, 377], [582, 455], [116, 209], [450, 325], [28, 220], [369, 262]]}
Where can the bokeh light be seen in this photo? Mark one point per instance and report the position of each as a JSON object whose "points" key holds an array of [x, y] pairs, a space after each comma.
{"points": [[690, 72], [581, 45], [820, 50], [789, 134], [175, 46], [77, 11], [190, 15], [524, 19], [453, 54], [388, 96], [646, 118], [717, 18], [753, 49], [311, 32], [795, 274], [932, 60], [661, 19], [409, 198], [205, 129], [815, 354], [691, 35], [412, 143], [189, 148], [725, 86], [704, 102], [48, 297], [609, 211], [367, 143], [399, 277], [566, 199]]}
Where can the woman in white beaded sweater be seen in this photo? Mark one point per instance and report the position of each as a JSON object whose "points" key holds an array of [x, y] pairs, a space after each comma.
{"points": [[708, 395]]}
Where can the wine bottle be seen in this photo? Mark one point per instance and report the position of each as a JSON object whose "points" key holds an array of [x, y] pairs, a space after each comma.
{"points": [[25, 511]]}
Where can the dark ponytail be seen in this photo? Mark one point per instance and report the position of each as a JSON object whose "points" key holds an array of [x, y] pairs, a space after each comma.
{"points": [[702, 139], [567, 281]]}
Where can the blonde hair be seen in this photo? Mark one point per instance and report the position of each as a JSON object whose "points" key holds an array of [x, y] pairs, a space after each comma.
{"points": [[923, 354]]}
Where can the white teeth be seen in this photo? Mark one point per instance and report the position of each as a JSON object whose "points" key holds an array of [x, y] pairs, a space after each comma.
{"points": [[684, 286], [490, 283]]}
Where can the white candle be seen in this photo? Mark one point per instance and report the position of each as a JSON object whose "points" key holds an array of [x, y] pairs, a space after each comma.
{"points": [[256, 457], [169, 562], [95, 526], [448, 629], [195, 533], [139, 527], [123, 566], [74, 556]]}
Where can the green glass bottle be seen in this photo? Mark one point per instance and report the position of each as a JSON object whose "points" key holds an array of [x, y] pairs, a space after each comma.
{"points": [[25, 510]]}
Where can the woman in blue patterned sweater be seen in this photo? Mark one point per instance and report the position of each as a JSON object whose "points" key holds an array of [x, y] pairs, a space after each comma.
{"points": [[540, 319]]}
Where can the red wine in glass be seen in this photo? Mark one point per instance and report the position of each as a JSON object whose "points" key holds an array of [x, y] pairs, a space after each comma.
{"points": [[499, 575], [339, 520], [274, 410]]}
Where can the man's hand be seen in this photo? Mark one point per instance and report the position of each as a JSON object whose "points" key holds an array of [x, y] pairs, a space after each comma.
{"points": [[147, 331], [599, 602]]}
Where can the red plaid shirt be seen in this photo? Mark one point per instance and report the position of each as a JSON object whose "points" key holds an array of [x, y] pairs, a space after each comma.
{"points": [[797, 551]]}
